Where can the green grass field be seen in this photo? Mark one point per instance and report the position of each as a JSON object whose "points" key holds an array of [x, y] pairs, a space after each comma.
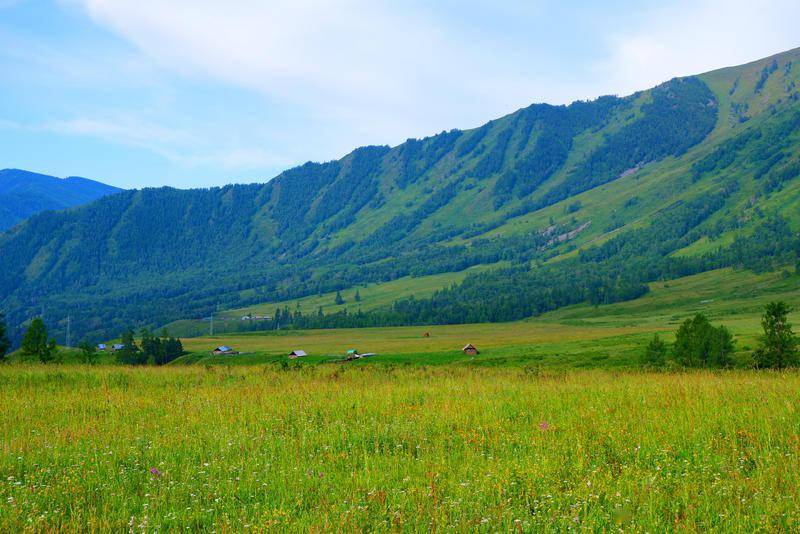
{"points": [[551, 427], [375, 295], [578, 336], [380, 448]]}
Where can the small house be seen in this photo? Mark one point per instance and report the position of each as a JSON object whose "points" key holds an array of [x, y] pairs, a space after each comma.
{"points": [[470, 349], [224, 349], [353, 354], [117, 346], [101, 346], [297, 354]]}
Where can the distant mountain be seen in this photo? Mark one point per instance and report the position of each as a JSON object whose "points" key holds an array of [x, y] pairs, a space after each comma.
{"points": [[24, 193], [562, 204]]}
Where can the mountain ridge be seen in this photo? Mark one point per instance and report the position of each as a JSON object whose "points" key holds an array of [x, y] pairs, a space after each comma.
{"points": [[434, 205], [24, 193]]}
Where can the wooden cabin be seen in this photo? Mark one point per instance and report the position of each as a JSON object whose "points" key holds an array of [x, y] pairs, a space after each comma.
{"points": [[470, 349], [297, 354], [224, 349]]}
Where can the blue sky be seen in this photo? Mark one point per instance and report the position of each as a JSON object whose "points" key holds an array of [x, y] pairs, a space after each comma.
{"points": [[195, 93]]}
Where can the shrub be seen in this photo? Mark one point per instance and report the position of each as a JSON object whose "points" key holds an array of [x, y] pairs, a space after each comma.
{"points": [[655, 355]]}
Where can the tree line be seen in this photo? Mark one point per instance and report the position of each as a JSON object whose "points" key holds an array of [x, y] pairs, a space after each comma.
{"points": [[151, 349], [38, 346], [700, 344]]}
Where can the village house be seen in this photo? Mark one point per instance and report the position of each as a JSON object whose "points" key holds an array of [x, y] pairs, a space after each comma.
{"points": [[117, 346], [224, 349], [470, 349], [297, 354], [101, 346]]}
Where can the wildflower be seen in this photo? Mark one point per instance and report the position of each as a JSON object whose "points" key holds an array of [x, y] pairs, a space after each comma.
{"points": [[155, 472], [544, 425]]}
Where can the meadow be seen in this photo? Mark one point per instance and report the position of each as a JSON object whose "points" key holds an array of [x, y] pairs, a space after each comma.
{"points": [[581, 336], [386, 448], [551, 427]]}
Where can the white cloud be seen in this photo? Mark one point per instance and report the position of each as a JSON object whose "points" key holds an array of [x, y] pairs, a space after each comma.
{"points": [[322, 77], [380, 70], [687, 38], [175, 145], [126, 130]]}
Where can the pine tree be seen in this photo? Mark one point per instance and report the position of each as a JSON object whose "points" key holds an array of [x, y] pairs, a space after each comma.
{"points": [[130, 354], [779, 344], [152, 349], [35, 343], [338, 300], [357, 298], [5, 343]]}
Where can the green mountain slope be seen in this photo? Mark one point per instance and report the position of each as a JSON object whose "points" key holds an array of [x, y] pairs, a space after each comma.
{"points": [[24, 193], [586, 202]]}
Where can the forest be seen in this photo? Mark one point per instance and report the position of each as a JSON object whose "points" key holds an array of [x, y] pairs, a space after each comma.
{"points": [[439, 204]]}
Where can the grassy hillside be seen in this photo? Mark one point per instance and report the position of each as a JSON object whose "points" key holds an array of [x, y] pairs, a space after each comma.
{"points": [[372, 296], [578, 336], [569, 200]]}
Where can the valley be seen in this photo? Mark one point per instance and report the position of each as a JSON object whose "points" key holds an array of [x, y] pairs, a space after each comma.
{"points": [[546, 208], [547, 317]]}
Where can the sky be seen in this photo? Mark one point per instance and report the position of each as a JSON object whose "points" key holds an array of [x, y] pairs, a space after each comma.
{"points": [[199, 93]]}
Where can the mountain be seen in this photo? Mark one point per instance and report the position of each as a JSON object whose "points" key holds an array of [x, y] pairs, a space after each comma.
{"points": [[560, 204], [24, 193]]}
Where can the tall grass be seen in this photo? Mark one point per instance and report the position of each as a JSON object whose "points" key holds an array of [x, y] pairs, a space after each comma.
{"points": [[376, 447]]}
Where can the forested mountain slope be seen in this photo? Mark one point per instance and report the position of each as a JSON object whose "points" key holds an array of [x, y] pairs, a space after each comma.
{"points": [[24, 193], [697, 173]]}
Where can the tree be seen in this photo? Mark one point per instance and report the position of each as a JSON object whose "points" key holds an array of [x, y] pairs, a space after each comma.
{"points": [[152, 347], [88, 352], [5, 344], [779, 344], [698, 344], [173, 348], [169, 348], [338, 300], [357, 297], [655, 355], [130, 354], [720, 347], [689, 341], [36, 345]]}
